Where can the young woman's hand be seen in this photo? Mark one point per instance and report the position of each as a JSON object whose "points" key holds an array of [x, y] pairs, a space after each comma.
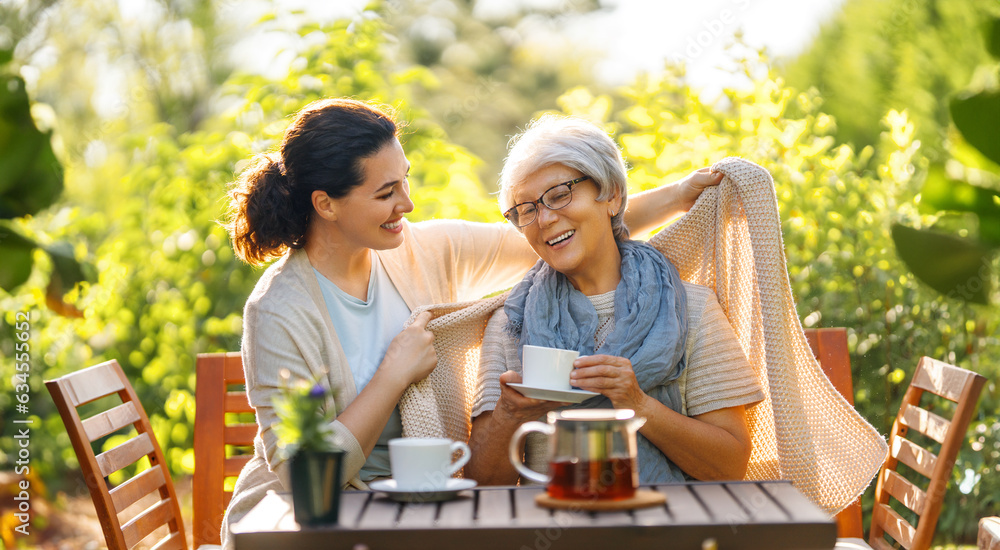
{"points": [[411, 353], [611, 377]]}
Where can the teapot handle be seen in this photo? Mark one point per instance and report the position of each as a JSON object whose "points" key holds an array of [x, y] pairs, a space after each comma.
{"points": [[515, 449]]}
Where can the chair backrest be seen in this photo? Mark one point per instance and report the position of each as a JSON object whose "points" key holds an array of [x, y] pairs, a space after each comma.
{"points": [[829, 346], [953, 384], [213, 399], [89, 385]]}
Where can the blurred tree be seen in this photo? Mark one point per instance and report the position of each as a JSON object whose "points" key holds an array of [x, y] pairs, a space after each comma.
{"points": [[955, 254], [893, 54], [31, 179], [494, 64]]}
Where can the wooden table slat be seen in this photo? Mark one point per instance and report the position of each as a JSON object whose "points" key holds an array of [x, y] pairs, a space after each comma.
{"points": [[494, 508], [613, 518], [380, 513], [654, 515], [421, 514], [794, 503], [757, 503], [527, 513], [683, 506], [458, 512], [351, 505], [720, 504]]}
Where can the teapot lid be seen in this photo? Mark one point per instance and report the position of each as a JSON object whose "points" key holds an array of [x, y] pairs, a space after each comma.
{"points": [[591, 415]]}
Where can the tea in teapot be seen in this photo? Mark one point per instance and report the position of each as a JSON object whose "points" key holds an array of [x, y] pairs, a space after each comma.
{"points": [[592, 453]]}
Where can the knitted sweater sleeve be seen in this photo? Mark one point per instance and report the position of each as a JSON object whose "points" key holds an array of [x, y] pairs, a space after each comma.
{"points": [[276, 340], [718, 373], [499, 354]]}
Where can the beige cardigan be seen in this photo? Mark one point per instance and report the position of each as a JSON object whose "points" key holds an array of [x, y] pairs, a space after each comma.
{"points": [[286, 326]]}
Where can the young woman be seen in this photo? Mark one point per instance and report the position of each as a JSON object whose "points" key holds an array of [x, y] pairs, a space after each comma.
{"points": [[331, 206], [648, 341]]}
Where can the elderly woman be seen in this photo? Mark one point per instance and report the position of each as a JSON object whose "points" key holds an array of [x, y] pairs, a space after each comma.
{"points": [[648, 341]]}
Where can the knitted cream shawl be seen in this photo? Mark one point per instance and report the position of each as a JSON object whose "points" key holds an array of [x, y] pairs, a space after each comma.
{"points": [[803, 431]]}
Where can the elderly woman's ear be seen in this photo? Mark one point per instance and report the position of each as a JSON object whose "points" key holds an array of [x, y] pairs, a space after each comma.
{"points": [[615, 205]]}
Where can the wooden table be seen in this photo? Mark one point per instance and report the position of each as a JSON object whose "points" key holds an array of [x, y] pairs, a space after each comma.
{"points": [[737, 515]]}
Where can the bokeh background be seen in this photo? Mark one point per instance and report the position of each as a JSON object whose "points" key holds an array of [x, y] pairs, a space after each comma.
{"points": [[122, 123]]}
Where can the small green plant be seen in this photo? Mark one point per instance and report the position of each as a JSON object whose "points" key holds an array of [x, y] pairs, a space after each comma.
{"points": [[303, 423]]}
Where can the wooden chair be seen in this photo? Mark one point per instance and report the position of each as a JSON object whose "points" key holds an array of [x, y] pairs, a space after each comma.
{"points": [[89, 385], [213, 399], [829, 346], [953, 384]]}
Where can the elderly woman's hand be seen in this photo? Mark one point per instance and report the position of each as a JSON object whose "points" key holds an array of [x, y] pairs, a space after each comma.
{"points": [[517, 408], [693, 184], [611, 377]]}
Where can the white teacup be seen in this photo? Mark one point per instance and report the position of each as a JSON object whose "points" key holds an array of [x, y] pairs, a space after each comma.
{"points": [[424, 463], [548, 368]]}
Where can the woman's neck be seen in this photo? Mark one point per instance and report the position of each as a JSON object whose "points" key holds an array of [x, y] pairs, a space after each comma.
{"points": [[602, 272], [345, 266]]}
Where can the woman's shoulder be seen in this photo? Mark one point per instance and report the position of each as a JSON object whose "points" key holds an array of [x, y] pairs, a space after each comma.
{"points": [[282, 285]]}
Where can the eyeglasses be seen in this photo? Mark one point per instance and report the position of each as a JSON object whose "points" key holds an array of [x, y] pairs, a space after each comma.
{"points": [[554, 198]]}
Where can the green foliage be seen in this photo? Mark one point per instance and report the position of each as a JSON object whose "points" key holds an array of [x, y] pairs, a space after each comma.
{"points": [[893, 54], [961, 266], [31, 179]]}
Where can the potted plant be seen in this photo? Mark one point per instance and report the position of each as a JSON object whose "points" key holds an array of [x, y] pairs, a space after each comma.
{"points": [[307, 440]]}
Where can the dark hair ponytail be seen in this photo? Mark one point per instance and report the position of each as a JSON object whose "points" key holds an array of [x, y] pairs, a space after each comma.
{"points": [[270, 205]]}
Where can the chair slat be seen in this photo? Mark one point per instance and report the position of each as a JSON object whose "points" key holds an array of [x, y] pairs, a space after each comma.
{"points": [[901, 489], [148, 521], [174, 541], [895, 526], [91, 384], [925, 422], [233, 370], [142, 484], [237, 402], [127, 453], [110, 421], [234, 465], [226, 497], [914, 456], [941, 378], [240, 434], [881, 544]]}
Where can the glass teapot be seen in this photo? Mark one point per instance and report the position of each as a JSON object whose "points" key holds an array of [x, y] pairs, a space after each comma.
{"points": [[592, 453]]}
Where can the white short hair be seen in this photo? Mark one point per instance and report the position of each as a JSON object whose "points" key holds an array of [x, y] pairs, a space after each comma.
{"points": [[574, 143]]}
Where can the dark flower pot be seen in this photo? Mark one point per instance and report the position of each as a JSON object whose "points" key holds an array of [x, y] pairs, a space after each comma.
{"points": [[316, 486]]}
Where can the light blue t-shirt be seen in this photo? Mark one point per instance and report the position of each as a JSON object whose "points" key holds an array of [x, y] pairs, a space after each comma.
{"points": [[365, 330]]}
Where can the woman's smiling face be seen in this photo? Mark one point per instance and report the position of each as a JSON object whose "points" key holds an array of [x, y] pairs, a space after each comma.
{"points": [[576, 240], [371, 214]]}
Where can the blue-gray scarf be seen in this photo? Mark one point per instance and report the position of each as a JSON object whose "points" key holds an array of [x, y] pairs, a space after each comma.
{"points": [[650, 330]]}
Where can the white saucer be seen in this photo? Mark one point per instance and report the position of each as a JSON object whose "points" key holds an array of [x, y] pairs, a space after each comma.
{"points": [[448, 492], [569, 396]]}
